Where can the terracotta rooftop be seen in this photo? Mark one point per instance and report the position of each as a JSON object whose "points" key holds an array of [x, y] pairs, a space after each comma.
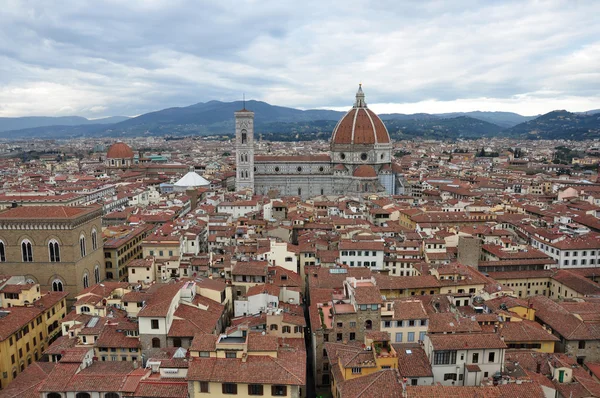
{"points": [[46, 212]]}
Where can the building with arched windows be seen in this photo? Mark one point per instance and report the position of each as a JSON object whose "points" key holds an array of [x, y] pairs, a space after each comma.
{"points": [[359, 160], [59, 247]]}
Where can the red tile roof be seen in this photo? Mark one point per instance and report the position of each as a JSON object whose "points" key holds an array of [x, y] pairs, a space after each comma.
{"points": [[46, 212], [360, 126], [381, 384], [466, 340], [289, 368]]}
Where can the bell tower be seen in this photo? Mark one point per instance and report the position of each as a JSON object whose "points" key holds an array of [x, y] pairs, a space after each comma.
{"points": [[244, 149]]}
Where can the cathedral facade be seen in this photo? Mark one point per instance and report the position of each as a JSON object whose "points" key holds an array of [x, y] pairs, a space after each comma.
{"points": [[359, 161]]}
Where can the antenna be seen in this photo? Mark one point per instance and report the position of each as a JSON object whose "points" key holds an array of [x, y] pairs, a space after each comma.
{"points": [[244, 100]]}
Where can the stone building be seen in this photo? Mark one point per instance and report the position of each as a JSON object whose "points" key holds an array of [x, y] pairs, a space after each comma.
{"points": [[360, 160], [59, 247], [344, 317]]}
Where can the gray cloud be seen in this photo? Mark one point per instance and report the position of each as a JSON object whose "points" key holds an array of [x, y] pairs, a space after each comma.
{"points": [[111, 57]]}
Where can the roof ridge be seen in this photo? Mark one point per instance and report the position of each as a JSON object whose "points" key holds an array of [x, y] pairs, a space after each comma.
{"points": [[276, 360], [381, 373]]}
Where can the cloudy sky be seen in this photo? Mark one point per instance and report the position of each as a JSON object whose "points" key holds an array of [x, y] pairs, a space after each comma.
{"points": [[117, 57]]}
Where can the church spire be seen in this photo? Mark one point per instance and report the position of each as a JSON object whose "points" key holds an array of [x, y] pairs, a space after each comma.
{"points": [[360, 98]]}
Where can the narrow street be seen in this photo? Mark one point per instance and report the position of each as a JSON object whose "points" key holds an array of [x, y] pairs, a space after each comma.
{"points": [[310, 380]]}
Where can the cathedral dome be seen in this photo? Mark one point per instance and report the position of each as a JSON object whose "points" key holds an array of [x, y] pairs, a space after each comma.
{"points": [[119, 150], [365, 171], [360, 125]]}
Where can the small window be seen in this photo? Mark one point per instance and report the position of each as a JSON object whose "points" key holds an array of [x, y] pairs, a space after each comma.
{"points": [[279, 391], [156, 342], [230, 354], [154, 323], [229, 388], [204, 386], [255, 389], [582, 344], [492, 357], [299, 169]]}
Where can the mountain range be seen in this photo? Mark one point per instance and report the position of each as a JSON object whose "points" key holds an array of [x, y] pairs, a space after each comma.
{"points": [[276, 122]]}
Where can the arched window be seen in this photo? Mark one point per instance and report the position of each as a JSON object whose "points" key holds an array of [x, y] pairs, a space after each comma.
{"points": [[2, 252], [109, 275], [286, 329], [368, 324], [274, 327], [156, 342], [244, 136], [94, 239], [97, 274], [84, 308], [86, 281], [54, 250], [57, 285], [82, 395], [111, 395], [27, 251], [54, 395], [82, 245]]}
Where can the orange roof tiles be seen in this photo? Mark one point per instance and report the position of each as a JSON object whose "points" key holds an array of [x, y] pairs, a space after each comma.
{"points": [[119, 150], [360, 126], [46, 212]]}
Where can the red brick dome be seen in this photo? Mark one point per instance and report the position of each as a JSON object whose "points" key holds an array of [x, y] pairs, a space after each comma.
{"points": [[365, 171], [119, 150], [360, 125]]}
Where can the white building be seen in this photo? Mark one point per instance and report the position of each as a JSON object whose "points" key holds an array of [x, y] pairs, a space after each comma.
{"points": [[279, 255], [464, 359], [239, 208], [190, 181], [258, 299], [362, 254], [570, 252]]}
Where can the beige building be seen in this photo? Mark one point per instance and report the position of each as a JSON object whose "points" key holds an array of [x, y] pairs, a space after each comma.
{"points": [[58, 247], [26, 330], [122, 245], [254, 364], [406, 321]]}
